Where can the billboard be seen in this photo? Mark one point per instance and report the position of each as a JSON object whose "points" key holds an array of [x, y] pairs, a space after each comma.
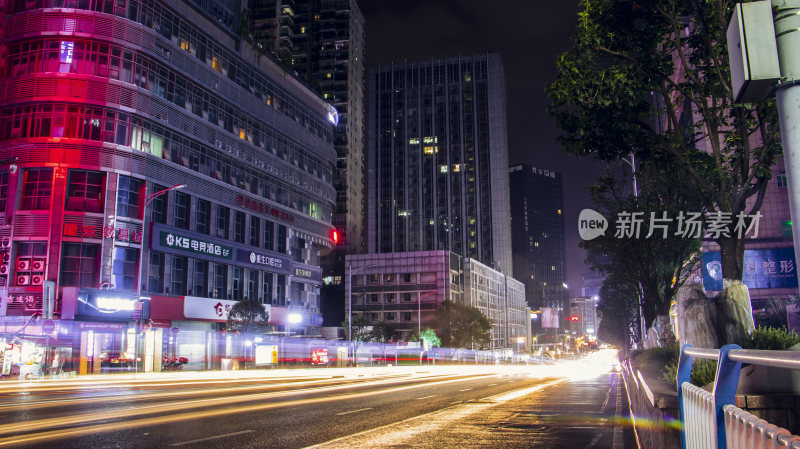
{"points": [[763, 268], [549, 318]]}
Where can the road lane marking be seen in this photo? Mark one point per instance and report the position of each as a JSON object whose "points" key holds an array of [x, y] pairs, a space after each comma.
{"points": [[466, 389], [354, 411], [398, 433], [491, 385], [426, 397], [179, 417], [215, 437], [618, 441]]}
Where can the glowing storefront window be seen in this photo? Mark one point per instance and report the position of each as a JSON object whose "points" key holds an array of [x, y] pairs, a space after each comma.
{"points": [[67, 48]]}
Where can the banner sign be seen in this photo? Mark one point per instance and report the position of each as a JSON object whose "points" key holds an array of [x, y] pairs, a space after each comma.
{"points": [[549, 318], [763, 268], [175, 241], [265, 261], [209, 308]]}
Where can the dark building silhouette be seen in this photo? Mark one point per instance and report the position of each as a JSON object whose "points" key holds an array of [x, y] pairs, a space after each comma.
{"points": [[537, 229]]}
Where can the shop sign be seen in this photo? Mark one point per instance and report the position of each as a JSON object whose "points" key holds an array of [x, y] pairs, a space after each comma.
{"points": [[301, 272], [208, 308], [172, 240], [49, 327], [106, 232], [86, 326], [266, 355], [263, 208], [263, 260]]}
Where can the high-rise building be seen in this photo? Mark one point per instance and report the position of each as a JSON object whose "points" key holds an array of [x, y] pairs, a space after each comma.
{"points": [[322, 42], [438, 177], [153, 167], [537, 227]]}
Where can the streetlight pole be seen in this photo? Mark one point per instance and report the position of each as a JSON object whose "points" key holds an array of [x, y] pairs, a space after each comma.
{"points": [[147, 200], [419, 312], [642, 326]]}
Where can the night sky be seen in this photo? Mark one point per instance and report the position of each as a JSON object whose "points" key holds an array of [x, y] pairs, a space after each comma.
{"points": [[528, 35]]}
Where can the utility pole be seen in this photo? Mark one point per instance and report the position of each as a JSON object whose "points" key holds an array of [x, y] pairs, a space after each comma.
{"points": [[787, 37]]}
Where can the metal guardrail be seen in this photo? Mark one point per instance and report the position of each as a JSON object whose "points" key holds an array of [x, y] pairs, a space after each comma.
{"points": [[712, 420]]}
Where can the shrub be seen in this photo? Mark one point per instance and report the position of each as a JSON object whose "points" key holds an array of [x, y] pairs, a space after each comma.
{"points": [[704, 371]]}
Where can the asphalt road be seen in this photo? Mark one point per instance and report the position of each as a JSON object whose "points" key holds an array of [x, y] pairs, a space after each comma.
{"points": [[572, 406]]}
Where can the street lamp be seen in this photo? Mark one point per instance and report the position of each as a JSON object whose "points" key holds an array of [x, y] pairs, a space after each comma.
{"points": [[293, 318], [147, 200], [419, 312], [350, 301]]}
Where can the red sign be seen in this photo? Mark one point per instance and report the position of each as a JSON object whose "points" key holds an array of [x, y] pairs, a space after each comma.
{"points": [[263, 208], [107, 232], [319, 356], [574, 318]]}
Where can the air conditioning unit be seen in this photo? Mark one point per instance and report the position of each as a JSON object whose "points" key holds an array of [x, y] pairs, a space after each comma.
{"points": [[6, 257], [38, 264], [37, 279], [23, 264], [4, 269], [23, 279], [5, 242]]}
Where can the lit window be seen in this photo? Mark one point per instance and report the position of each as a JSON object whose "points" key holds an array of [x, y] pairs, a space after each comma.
{"points": [[552, 268], [430, 149], [328, 75], [184, 44], [241, 133], [559, 212], [443, 168], [413, 141], [302, 30], [536, 244], [215, 64]]}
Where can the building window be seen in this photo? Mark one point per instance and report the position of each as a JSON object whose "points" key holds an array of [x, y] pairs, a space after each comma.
{"points": [[80, 265], [266, 289], [237, 283], [238, 226], [255, 230], [125, 265], [406, 297], [219, 279], [280, 290], [406, 316], [372, 298], [155, 273], [202, 216], [388, 316], [200, 278], [159, 205], [37, 189], [128, 196], [782, 181], [182, 202], [3, 191], [786, 229], [282, 239], [407, 278], [252, 285], [222, 221], [269, 230], [178, 275], [389, 298], [85, 191]]}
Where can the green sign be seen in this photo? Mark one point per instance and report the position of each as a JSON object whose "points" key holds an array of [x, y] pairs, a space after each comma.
{"points": [[174, 241]]}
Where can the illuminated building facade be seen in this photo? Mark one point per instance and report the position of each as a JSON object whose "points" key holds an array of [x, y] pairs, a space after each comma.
{"points": [[107, 103], [438, 175]]}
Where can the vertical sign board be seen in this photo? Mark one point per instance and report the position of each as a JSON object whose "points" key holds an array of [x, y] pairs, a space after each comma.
{"points": [[65, 55]]}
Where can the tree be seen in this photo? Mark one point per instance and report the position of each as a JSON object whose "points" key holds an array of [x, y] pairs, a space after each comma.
{"points": [[430, 338], [462, 326], [654, 266], [651, 78], [382, 332], [618, 312], [360, 329], [248, 316]]}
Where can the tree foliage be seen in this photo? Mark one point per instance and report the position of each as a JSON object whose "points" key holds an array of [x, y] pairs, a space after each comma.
{"points": [[654, 264], [651, 78], [462, 326], [618, 311], [248, 316], [430, 338], [360, 329], [382, 332]]}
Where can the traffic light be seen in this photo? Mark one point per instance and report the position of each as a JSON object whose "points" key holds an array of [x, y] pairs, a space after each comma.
{"points": [[335, 236]]}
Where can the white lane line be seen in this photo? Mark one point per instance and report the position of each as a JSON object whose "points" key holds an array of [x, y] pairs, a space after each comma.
{"points": [[466, 389], [491, 385], [215, 437], [426, 397], [618, 441], [354, 411]]}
